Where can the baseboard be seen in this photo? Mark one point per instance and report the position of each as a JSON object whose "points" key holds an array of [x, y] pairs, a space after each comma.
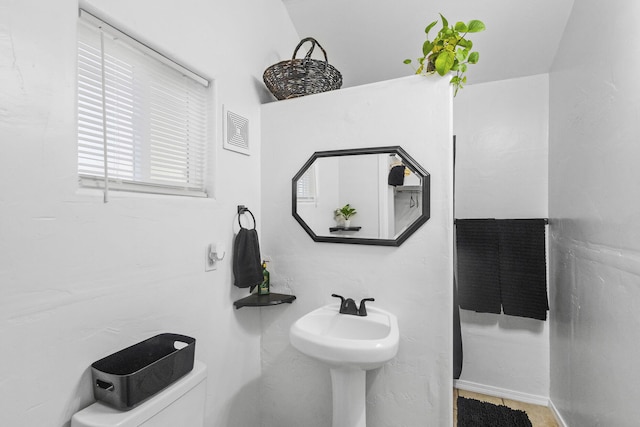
{"points": [[557, 415], [501, 392]]}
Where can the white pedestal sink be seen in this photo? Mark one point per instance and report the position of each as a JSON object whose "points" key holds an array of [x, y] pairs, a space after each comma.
{"points": [[350, 345]]}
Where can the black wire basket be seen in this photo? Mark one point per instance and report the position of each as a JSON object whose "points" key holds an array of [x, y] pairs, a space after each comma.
{"points": [[302, 76]]}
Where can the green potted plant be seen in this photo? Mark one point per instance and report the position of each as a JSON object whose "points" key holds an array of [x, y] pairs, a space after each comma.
{"points": [[345, 213], [449, 50]]}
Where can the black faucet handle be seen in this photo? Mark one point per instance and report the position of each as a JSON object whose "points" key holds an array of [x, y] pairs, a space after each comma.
{"points": [[339, 296], [362, 311]]}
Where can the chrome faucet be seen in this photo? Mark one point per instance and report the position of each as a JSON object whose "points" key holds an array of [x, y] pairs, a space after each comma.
{"points": [[348, 306]]}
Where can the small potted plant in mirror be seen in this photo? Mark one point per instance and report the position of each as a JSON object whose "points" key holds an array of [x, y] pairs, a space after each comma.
{"points": [[344, 215], [449, 51]]}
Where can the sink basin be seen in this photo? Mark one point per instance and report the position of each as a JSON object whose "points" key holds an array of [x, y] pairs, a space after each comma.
{"points": [[347, 341]]}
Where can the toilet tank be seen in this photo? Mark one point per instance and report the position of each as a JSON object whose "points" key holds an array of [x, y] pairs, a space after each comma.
{"points": [[180, 404]]}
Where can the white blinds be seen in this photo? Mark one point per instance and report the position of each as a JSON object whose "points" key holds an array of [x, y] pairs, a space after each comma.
{"points": [[306, 185], [152, 121]]}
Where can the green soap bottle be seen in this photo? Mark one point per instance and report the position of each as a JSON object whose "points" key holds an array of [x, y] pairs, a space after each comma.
{"points": [[263, 289]]}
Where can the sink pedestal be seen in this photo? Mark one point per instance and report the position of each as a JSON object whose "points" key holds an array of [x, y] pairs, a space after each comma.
{"points": [[350, 345], [349, 405]]}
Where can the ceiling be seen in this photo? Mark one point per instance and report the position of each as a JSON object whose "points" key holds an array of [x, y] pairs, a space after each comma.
{"points": [[367, 40]]}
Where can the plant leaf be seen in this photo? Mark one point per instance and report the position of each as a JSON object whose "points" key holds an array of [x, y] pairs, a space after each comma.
{"points": [[444, 62], [461, 54], [426, 47], [465, 43], [461, 27], [407, 61], [474, 57], [445, 23], [430, 26], [476, 26]]}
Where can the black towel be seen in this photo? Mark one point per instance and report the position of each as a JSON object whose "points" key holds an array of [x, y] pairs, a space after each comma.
{"points": [[396, 176], [502, 264], [523, 268], [477, 262], [247, 268]]}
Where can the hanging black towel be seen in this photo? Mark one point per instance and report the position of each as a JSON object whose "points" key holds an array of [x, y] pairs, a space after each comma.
{"points": [[477, 263], [396, 176], [523, 267], [247, 268]]}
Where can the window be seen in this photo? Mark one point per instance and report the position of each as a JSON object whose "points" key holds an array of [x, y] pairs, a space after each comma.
{"points": [[142, 118], [307, 186]]}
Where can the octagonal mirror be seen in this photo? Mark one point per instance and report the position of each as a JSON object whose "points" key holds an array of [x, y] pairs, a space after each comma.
{"points": [[367, 196]]}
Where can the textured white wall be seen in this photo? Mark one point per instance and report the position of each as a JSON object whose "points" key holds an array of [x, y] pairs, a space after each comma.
{"points": [[80, 279], [414, 280], [594, 178], [501, 172]]}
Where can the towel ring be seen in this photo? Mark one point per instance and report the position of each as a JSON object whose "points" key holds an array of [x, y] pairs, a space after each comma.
{"points": [[243, 209]]}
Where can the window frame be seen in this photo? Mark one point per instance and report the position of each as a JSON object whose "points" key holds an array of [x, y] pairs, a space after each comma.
{"points": [[307, 185], [187, 163]]}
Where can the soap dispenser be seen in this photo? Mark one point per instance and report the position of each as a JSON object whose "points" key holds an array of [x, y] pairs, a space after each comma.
{"points": [[263, 289]]}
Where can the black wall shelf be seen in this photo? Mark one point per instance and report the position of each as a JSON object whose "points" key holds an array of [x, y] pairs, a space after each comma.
{"points": [[255, 300], [333, 229]]}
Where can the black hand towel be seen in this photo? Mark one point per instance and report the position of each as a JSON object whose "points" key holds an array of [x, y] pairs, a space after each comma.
{"points": [[523, 267], [396, 176], [247, 268], [477, 263]]}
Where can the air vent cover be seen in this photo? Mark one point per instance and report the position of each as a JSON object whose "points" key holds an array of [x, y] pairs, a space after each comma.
{"points": [[236, 136]]}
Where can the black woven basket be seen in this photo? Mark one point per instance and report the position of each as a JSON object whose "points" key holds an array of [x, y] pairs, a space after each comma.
{"points": [[300, 77]]}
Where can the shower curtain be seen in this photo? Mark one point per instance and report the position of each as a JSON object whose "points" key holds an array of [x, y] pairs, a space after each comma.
{"points": [[457, 332]]}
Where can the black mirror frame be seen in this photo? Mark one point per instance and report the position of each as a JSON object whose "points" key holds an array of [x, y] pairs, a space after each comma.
{"points": [[407, 160]]}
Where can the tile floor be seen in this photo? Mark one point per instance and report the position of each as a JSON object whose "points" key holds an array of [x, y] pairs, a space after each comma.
{"points": [[540, 416]]}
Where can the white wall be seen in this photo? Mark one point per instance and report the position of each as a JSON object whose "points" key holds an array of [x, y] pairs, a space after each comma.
{"points": [[501, 172], [593, 184], [414, 280], [80, 279]]}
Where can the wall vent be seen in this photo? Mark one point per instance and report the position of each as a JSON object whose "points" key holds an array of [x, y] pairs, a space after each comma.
{"points": [[236, 137]]}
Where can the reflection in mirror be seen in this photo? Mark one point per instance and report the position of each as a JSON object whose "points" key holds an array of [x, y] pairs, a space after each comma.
{"points": [[387, 189]]}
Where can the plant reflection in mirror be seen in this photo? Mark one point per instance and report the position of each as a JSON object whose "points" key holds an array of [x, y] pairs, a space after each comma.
{"points": [[345, 212]]}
